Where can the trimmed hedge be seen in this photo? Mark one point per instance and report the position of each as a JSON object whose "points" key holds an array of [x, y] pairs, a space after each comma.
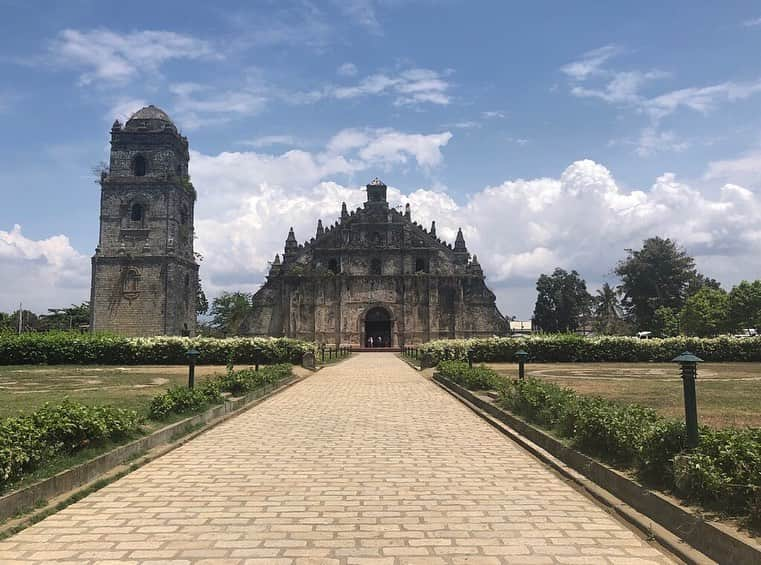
{"points": [[723, 472], [571, 347], [57, 348], [180, 399], [27, 441]]}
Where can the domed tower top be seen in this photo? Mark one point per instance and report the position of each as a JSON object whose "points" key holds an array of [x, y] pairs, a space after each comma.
{"points": [[150, 118]]}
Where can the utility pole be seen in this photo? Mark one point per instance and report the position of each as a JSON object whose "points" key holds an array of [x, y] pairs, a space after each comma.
{"points": [[20, 317]]}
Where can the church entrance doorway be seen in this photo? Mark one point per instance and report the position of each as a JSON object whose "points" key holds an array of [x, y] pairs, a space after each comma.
{"points": [[377, 328]]}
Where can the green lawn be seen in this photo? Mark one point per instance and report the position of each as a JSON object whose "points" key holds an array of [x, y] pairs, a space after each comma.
{"points": [[27, 387], [729, 394]]}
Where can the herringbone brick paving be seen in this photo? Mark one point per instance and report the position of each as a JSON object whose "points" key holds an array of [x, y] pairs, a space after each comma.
{"points": [[364, 463]]}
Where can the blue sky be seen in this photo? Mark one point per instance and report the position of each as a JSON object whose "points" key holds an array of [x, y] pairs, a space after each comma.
{"points": [[555, 133]]}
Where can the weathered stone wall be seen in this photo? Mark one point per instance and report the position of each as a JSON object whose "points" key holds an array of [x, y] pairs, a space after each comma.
{"points": [[155, 250]]}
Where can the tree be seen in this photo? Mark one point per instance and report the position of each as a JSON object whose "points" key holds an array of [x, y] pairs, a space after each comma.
{"points": [[705, 312], [70, 318], [202, 303], [607, 311], [655, 276], [745, 305], [562, 301], [230, 312], [666, 322]]}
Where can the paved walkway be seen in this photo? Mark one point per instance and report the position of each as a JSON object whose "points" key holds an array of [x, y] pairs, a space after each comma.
{"points": [[364, 463]]}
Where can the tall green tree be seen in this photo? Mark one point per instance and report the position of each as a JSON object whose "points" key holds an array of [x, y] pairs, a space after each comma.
{"points": [[70, 318], [562, 301], [745, 306], [607, 311], [666, 322], [705, 312], [658, 275], [230, 312], [202, 303]]}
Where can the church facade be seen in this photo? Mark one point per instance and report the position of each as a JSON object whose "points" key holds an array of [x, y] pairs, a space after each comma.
{"points": [[375, 277], [144, 272]]}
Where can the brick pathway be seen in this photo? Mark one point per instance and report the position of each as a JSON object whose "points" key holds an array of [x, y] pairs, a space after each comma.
{"points": [[363, 463]]}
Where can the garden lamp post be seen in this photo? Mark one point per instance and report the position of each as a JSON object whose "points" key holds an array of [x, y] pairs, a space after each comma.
{"points": [[470, 358], [192, 355], [689, 365], [521, 356]]}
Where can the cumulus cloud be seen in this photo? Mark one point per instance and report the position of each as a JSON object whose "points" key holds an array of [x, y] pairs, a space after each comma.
{"points": [[114, 58], [582, 219], [745, 169], [42, 274]]}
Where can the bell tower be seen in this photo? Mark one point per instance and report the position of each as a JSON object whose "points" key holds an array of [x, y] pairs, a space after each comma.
{"points": [[144, 273]]}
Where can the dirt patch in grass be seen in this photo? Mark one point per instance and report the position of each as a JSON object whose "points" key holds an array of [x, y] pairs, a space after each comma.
{"points": [[25, 388], [729, 394]]}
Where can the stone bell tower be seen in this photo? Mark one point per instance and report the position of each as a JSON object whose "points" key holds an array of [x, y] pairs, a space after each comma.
{"points": [[144, 273]]}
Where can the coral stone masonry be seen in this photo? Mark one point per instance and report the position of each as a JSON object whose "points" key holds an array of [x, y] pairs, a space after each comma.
{"points": [[375, 279], [144, 273]]}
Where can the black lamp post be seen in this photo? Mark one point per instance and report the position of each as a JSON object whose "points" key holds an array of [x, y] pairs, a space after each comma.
{"points": [[470, 358], [521, 356], [689, 366], [192, 355]]}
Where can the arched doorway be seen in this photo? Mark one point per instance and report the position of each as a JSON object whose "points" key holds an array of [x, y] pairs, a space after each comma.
{"points": [[378, 327]]}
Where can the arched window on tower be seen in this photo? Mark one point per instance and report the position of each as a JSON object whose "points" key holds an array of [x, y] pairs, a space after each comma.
{"points": [[333, 265], [131, 282], [375, 267], [139, 166], [137, 213], [421, 265]]}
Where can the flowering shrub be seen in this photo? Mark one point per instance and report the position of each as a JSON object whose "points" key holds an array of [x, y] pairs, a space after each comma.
{"points": [[723, 471], [28, 441], [67, 347], [571, 347]]}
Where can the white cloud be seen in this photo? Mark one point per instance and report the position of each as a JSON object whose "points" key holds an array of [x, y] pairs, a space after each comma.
{"points": [[493, 114], [45, 273], [590, 63], [581, 220], [114, 58], [653, 140], [745, 169], [408, 87], [197, 104], [269, 140], [702, 99], [123, 108], [347, 70]]}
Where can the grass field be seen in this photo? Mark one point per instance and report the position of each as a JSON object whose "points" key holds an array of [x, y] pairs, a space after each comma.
{"points": [[26, 387], [729, 394]]}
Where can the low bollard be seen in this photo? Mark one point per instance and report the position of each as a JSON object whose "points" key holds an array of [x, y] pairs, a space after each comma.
{"points": [[689, 365], [192, 355], [521, 356]]}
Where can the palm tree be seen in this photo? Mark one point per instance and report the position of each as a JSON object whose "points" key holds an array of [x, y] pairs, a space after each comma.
{"points": [[607, 310]]}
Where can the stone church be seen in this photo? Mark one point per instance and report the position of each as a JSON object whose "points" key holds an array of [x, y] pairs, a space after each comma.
{"points": [[375, 275], [144, 272]]}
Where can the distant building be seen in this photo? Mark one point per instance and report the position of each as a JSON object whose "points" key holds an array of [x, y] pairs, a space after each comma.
{"points": [[144, 273], [375, 274], [521, 327]]}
